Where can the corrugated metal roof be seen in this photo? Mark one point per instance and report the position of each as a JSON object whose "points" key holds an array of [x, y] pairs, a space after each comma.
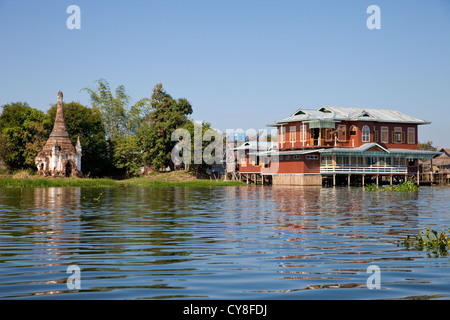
{"points": [[362, 150], [253, 145], [337, 114], [284, 153]]}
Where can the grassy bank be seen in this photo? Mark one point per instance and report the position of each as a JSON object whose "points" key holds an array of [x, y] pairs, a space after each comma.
{"points": [[55, 182], [176, 179], [193, 183], [169, 179]]}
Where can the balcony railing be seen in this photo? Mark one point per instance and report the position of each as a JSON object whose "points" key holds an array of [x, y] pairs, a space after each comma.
{"points": [[363, 169]]}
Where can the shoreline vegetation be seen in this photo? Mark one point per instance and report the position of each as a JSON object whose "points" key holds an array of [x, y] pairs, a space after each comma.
{"points": [[154, 179]]}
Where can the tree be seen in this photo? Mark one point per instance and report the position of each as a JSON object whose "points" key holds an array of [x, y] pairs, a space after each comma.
{"points": [[23, 133], [121, 123], [127, 155], [167, 115], [113, 109], [427, 146], [86, 123], [204, 138], [117, 119]]}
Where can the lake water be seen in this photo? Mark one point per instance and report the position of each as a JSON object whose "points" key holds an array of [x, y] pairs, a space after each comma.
{"points": [[219, 243]]}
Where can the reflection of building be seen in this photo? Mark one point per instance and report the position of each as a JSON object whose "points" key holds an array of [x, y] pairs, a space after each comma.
{"points": [[56, 230], [59, 157], [339, 142]]}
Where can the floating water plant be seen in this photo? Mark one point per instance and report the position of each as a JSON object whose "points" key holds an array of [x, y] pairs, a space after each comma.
{"points": [[430, 240], [407, 186]]}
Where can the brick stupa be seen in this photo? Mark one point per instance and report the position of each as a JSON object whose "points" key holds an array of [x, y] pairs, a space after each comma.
{"points": [[59, 156]]}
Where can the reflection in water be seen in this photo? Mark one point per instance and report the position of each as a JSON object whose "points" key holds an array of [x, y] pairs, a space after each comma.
{"points": [[226, 243], [38, 222]]}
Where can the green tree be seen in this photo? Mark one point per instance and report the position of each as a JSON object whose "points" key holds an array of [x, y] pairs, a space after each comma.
{"points": [[206, 137], [427, 146], [167, 114], [86, 123], [121, 124], [113, 109], [23, 133], [118, 119], [127, 155]]}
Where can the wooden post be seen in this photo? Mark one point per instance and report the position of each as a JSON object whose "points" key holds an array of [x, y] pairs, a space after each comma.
{"points": [[334, 180], [348, 180], [378, 176], [431, 170], [391, 179], [363, 176]]}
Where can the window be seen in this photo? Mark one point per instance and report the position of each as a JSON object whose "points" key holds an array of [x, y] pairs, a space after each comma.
{"points": [[292, 134], [356, 161], [375, 135], [287, 157], [310, 157], [399, 162], [282, 134], [297, 157], [342, 160], [303, 133], [384, 135], [388, 161], [353, 131], [326, 160], [366, 134], [341, 133], [281, 158], [398, 136], [243, 162], [411, 135], [370, 161]]}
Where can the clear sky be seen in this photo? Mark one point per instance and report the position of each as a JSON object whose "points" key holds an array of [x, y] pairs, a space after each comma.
{"points": [[241, 64]]}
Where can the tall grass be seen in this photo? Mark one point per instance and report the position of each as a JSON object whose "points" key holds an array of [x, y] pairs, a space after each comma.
{"points": [[78, 182], [55, 182]]}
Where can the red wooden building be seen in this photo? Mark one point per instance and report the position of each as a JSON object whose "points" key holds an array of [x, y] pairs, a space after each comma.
{"points": [[338, 143]]}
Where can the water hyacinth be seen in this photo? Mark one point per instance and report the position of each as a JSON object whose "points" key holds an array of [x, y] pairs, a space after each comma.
{"points": [[407, 186], [429, 240]]}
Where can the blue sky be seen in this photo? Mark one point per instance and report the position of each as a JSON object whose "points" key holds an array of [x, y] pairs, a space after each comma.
{"points": [[241, 64]]}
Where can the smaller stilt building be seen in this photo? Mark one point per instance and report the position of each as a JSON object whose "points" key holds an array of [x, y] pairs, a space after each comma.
{"points": [[59, 157]]}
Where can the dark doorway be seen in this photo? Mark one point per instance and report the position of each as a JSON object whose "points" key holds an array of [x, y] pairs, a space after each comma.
{"points": [[68, 169], [315, 134]]}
